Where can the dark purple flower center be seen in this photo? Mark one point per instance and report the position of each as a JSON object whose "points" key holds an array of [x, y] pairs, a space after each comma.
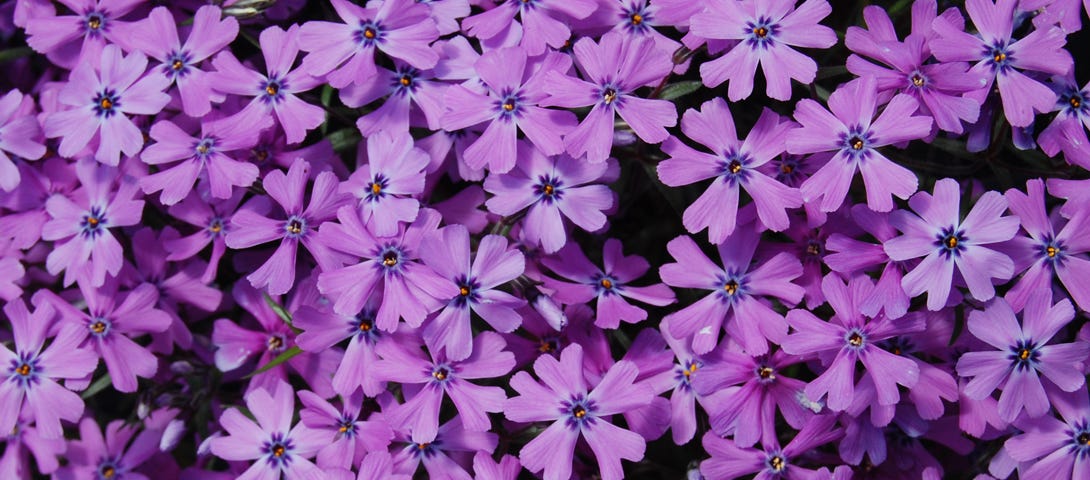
{"points": [[999, 57], [917, 80], [106, 103], [951, 242], [376, 188], [108, 469], [424, 450], [467, 291], [898, 345], [405, 81], [391, 258], [99, 327], [765, 373], [347, 426], [278, 450], [441, 373], [776, 463], [1080, 439], [216, 227], [94, 23], [177, 64], [733, 167], [272, 90], [855, 339], [548, 188], [684, 372], [636, 18], [508, 104], [1024, 354], [605, 284], [788, 170], [731, 287], [24, 371], [276, 343], [1052, 250], [761, 33], [610, 94], [548, 344], [578, 411], [205, 147], [93, 223], [295, 227], [856, 143], [369, 33], [1073, 102]]}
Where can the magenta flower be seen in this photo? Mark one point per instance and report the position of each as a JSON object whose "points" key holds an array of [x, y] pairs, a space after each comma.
{"points": [[1022, 352], [390, 268], [384, 186], [352, 437], [493, 266], [730, 460], [513, 88], [563, 398], [157, 37], [850, 339], [1047, 254], [250, 227], [736, 292], [1001, 59], [119, 455], [29, 387], [71, 40], [99, 94], [110, 323], [937, 233], [544, 22], [613, 68], [733, 166], [322, 328], [552, 188], [765, 32], [275, 92], [1067, 132], [19, 135], [607, 285], [207, 154], [90, 251], [440, 377], [276, 446], [852, 132], [345, 52], [1051, 446], [403, 88]]}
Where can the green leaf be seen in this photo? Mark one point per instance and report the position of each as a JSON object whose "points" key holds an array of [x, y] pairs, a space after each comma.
{"points": [[280, 312], [14, 53], [677, 90], [283, 357], [98, 386], [345, 138]]}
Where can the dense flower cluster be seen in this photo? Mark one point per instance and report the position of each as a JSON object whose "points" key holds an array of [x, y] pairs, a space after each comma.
{"points": [[465, 239]]}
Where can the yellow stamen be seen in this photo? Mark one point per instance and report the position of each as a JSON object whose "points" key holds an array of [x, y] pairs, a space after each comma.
{"points": [[786, 169], [278, 451], [295, 227], [98, 327], [272, 89], [917, 80], [463, 291], [760, 32], [365, 326], [440, 374], [549, 189], [735, 166], [106, 104], [344, 428], [609, 95], [94, 23], [765, 372], [776, 463], [107, 471], [1075, 103], [23, 370], [857, 144], [855, 339], [376, 188], [999, 57], [509, 105], [951, 242], [731, 287], [177, 65], [637, 19], [92, 221], [406, 80], [579, 412], [1024, 354], [389, 260], [606, 283], [275, 343], [369, 33], [1052, 251]]}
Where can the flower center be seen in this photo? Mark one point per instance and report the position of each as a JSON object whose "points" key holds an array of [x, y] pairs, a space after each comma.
{"points": [[609, 95], [94, 21], [606, 283], [855, 339], [366, 325], [1024, 354], [856, 143], [278, 450], [1075, 102], [735, 166], [760, 32], [766, 372], [730, 287], [216, 226], [777, 463], [295, 226], [369, 33], [917, 80], [441, 373], [463, 291], [509, 105], [578, 411], [376, 188], [389, 259], [406, 80], [23, 370], [999, 57], [951, 241], [548, 345], [637, 19], [693, 367], [177, 65], [1051, 251], [99, 327], [275, 342], [1083, 438], [272, 89], [107, 471]]}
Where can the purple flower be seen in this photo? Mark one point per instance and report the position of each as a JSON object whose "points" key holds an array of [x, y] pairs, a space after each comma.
{"points": [[937, 233], [117, 456], [765, 32], [514, 86], [345, 52], [250, 227], [853, 339], [277, 447], [1047, 254], [322, 328], [1050, 446], [91, 251], [438, 456], [1021, 353], [999, 57], [730, 460], [544, 22], [390, 268], [439, 377], [111, 321], [212, 220], [849, 255], [608, 286], [552, 188], [275, 93], [733, 166], [614, 68], [563, 399], [384, 186], [207, 154], [99, 94], [71, 40], [494, 265], [19, 135], [1067, 132], [157, 37], [29, 388], [938, 87], [737, 289], [848, 130], [351, 436], [402, 88], [749, 412]]}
